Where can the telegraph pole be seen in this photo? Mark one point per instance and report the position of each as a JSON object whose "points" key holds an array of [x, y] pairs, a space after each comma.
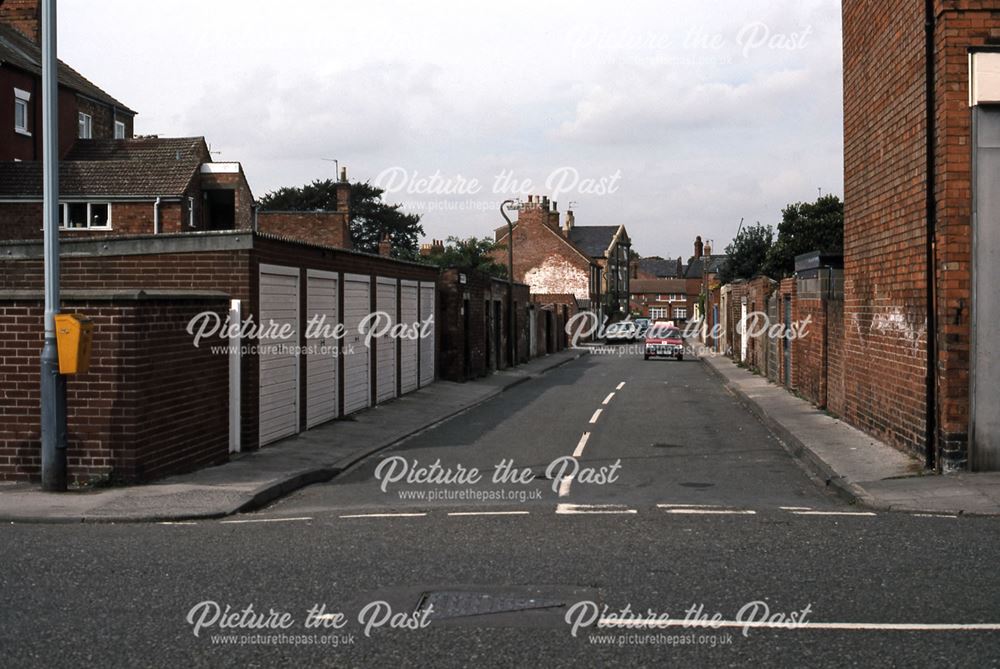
{"points": [[53, 384]]}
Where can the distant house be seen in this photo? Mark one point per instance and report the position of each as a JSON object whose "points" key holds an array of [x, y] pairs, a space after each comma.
{"points": [[702, 267], [85, 111], [590, 262], [659, 299], [655, 267]]}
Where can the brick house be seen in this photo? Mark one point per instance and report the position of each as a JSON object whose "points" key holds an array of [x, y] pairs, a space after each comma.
{"points": [[145, 185], [593, 263], [659, 299], [921, 129], [699, 274], [545, 258], [655, 267], [85, 111]]}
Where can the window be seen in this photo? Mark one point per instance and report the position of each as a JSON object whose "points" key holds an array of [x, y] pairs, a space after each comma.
{"points": [[84, 215], [119, 130], [21, 111], [86, 126], [657, 313], [680, 312]]}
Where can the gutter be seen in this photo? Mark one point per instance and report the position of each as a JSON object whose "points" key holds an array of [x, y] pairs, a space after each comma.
{"points": [[932, 460]]}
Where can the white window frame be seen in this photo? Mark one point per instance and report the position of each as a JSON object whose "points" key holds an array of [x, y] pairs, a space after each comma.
{"points": [[21, 100], [65, 215], [680, 312], [86, 126], [120, 126], [656, 313]]}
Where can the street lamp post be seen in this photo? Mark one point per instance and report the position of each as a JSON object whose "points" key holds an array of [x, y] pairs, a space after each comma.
{"points": [[511, 347], [53, 384]]}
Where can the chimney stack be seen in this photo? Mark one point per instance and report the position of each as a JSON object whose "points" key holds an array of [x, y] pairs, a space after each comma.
{"points": [[570, 221], [343, 175], [385, 246], [708, 248], [698, 247], [25, 16]]}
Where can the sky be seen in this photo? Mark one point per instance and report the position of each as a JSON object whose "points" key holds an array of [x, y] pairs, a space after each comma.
{"points": [[676, 119]]}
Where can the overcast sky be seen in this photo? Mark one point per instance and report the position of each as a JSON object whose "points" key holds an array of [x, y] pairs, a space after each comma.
{"points": [[691, 115]]}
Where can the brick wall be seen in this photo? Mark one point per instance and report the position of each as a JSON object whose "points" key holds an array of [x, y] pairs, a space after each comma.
{"points": [[23, 220], [326, 228], [137, 414]]}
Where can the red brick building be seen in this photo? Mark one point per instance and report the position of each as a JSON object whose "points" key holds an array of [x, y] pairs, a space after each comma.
{"points": [[85, 111], [659, 299], [920, 156]]}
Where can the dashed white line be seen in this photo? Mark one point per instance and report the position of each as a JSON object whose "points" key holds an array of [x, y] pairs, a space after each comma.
{"points": [[177, 522], [564, 486], [592, 508], [607, 399], [597, 414], [795, 508], [717, 512], [687, 506], [384, 515], [934, 515], [620, 386], [489, 513], [265, 520], [833, 513], [583, 444]]}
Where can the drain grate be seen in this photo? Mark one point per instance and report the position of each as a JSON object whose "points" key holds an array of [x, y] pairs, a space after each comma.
{"points": [[462, 604]]}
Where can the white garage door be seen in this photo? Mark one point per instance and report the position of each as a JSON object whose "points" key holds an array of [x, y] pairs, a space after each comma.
{"points": [[321, 357], [278, 414], [408, 315], [427, 343], [385, 302], [357, 306]]}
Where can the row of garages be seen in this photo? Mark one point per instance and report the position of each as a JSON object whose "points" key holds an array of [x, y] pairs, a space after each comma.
{"points": [[338, 376]]}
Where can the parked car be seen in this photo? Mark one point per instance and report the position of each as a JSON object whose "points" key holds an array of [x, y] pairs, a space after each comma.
{"points": [[641, 325], [622, 331], [663, 341]]}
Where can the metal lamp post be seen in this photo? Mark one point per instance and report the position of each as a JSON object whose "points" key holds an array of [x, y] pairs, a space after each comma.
{"points": [[53, 384], [511, 348]]}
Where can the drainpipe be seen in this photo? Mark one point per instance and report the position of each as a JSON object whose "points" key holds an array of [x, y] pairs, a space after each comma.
{"points": [[191, 212], [156, 216], [931, 437]]}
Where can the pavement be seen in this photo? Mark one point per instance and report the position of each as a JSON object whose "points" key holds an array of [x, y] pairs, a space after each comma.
{"points": [[252, 480], [860, 468]]}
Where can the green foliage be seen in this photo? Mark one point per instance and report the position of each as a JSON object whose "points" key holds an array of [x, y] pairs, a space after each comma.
{"points": [[370, 216], [806, 227], [469, 254], [747, 254]]}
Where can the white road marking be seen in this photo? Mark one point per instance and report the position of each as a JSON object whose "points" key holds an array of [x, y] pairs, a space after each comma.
{"points": [[597, 414], [489, 513], [265, 520], [934, 515], [583, 444], [608, 398], [384, 515], [687, 506], [564, 486], [620, 386], [177, 522], [592, 508], [757, 624], [795, 508], [738, 512], [833, 513]]}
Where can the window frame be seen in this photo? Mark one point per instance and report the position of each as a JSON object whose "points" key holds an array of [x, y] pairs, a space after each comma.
{"points": [[85, 126], [124, 129], [64, 210], [22, 100], [680, 311]]}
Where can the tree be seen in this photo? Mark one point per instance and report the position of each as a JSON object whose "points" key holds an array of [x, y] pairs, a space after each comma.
{"points": [[470, 254], [746, 256], [371, 217], [806, 227]]}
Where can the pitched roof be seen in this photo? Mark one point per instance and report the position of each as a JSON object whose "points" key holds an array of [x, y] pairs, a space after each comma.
{"points": [[657, 286], [22, 53], [144, 167], [659, 267], [697, 267], [593, 239]]}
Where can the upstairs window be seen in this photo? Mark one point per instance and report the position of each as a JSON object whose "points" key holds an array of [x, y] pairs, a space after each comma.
{"points": [[84, 215], [21, 100], [119, 130], [86, 126]]}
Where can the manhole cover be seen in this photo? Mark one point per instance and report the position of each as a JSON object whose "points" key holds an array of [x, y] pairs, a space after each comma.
{"points": [[461, 604]]}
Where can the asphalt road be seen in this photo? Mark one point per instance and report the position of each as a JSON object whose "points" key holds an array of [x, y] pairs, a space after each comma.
{"points": [[705, 513]]}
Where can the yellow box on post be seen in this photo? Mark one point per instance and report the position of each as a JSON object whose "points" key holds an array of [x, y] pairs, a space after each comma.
{"points": [[74, 338]]}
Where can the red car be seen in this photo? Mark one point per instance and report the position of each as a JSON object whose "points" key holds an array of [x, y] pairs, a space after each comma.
{"points": [[663, 341]]}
